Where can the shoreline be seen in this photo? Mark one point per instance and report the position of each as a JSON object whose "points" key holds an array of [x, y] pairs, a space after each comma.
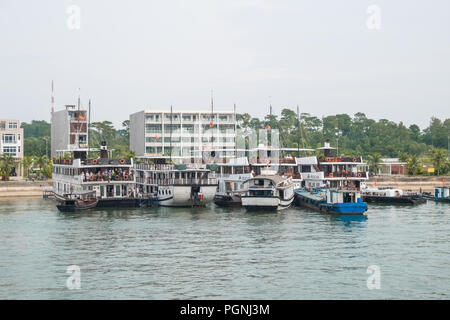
{"points": [[412, 183], [11, 189]]}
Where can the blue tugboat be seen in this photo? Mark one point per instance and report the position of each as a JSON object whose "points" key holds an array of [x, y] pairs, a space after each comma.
{"points": [[339, 202], [442, 194]]}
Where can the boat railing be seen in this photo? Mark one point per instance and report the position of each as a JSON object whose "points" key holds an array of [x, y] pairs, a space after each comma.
{"points": [[361, 174], [207, 181], [165, 167], [108, 178]]}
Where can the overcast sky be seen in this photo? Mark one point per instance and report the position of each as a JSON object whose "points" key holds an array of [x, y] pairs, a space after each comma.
{"points": [[133, 55]]}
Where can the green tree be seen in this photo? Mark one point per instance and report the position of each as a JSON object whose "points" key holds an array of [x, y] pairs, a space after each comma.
{"points": [[374, 163], [439, 159], [7, 164], [27, 162], [413, 164]]}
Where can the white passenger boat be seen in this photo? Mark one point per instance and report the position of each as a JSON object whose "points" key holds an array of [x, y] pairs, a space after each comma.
{"points": [[268, 191], [175, 185]]}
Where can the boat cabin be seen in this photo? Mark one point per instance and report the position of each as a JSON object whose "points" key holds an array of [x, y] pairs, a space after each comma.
{"points": [[343, 196], [441, 192]]}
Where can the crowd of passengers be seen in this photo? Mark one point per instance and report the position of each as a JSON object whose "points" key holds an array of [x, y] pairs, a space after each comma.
{"points": [[107, 175]]}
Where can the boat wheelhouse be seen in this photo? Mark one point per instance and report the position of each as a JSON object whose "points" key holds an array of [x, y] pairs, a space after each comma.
{"points": [[174, 185], [268, 191], [442, 194]]}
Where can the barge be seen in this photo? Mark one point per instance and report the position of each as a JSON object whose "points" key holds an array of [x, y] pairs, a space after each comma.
{"points": [[325, 200]]}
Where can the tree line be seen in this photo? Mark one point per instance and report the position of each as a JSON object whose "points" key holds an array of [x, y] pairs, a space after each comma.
{"points": [[354, 135]]}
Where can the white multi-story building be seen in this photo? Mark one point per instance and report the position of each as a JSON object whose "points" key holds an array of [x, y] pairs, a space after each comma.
{"points": [[69, 130], [11, 142], [185, 134]]}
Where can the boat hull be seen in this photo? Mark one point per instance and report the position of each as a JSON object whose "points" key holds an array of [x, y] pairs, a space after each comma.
{"points": [[180, 196], [227, 201], [74, 207], [336, 208], [266, 203], [393, 200], [445, 200]]}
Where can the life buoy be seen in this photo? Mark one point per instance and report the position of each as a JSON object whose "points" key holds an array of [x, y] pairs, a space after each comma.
{"points": [[331, 175], [359, 174], [122, 161], [94, 161]]}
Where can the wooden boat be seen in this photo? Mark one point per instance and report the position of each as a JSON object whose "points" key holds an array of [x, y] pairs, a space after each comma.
{"points": [[325, 200], [391, 196], [78, 202]]}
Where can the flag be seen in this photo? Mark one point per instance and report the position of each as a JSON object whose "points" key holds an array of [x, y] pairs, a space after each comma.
{"points": [[268, 126]]}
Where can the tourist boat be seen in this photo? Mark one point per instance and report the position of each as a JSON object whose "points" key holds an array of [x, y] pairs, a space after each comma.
{"points": [[111, 178], [76, 202], [441, 194], [174, 185], [391, 195], [331, 201], [268, 191], [230, 189]]}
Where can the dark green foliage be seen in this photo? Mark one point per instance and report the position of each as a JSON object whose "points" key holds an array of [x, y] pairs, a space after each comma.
{"points": [[357, 135]]}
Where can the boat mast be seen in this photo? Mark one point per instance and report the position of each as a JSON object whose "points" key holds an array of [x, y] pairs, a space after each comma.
{"points": [[235, 135], [299, 131], [88, 128], [171, 121], [213, 153]]}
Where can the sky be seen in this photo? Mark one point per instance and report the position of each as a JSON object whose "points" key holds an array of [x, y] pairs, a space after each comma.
{"points": [[328, 57]]}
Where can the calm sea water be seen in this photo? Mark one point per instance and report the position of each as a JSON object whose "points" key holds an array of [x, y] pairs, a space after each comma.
{"points": [[214, 253]]}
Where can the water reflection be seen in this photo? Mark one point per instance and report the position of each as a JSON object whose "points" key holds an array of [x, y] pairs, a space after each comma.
{"points": [[169, 253]]}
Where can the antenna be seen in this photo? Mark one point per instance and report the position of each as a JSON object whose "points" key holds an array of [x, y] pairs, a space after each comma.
{"points": [[299, 131], [211, 124], [79, 101], [171, 119], [88, 128], [235, 129]]}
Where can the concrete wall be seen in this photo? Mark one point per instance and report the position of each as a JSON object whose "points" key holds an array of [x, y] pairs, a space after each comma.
{"points": [[137, 133], [59, 131]]}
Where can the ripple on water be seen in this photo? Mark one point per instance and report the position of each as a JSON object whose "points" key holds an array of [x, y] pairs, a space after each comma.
{"points": [[208, 253]]}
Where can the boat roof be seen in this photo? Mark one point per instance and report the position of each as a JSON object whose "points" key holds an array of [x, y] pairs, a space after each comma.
{"points": [[315, 196], [275, 178], [81, 193]]}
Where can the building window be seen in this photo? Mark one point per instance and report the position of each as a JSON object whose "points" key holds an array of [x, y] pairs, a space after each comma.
{"points": [[10, 150], [153, 128], [12, 125], [9, 138]]}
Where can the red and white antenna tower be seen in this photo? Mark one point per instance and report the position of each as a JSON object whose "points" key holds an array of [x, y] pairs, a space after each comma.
{"points": [[53, 100]]}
